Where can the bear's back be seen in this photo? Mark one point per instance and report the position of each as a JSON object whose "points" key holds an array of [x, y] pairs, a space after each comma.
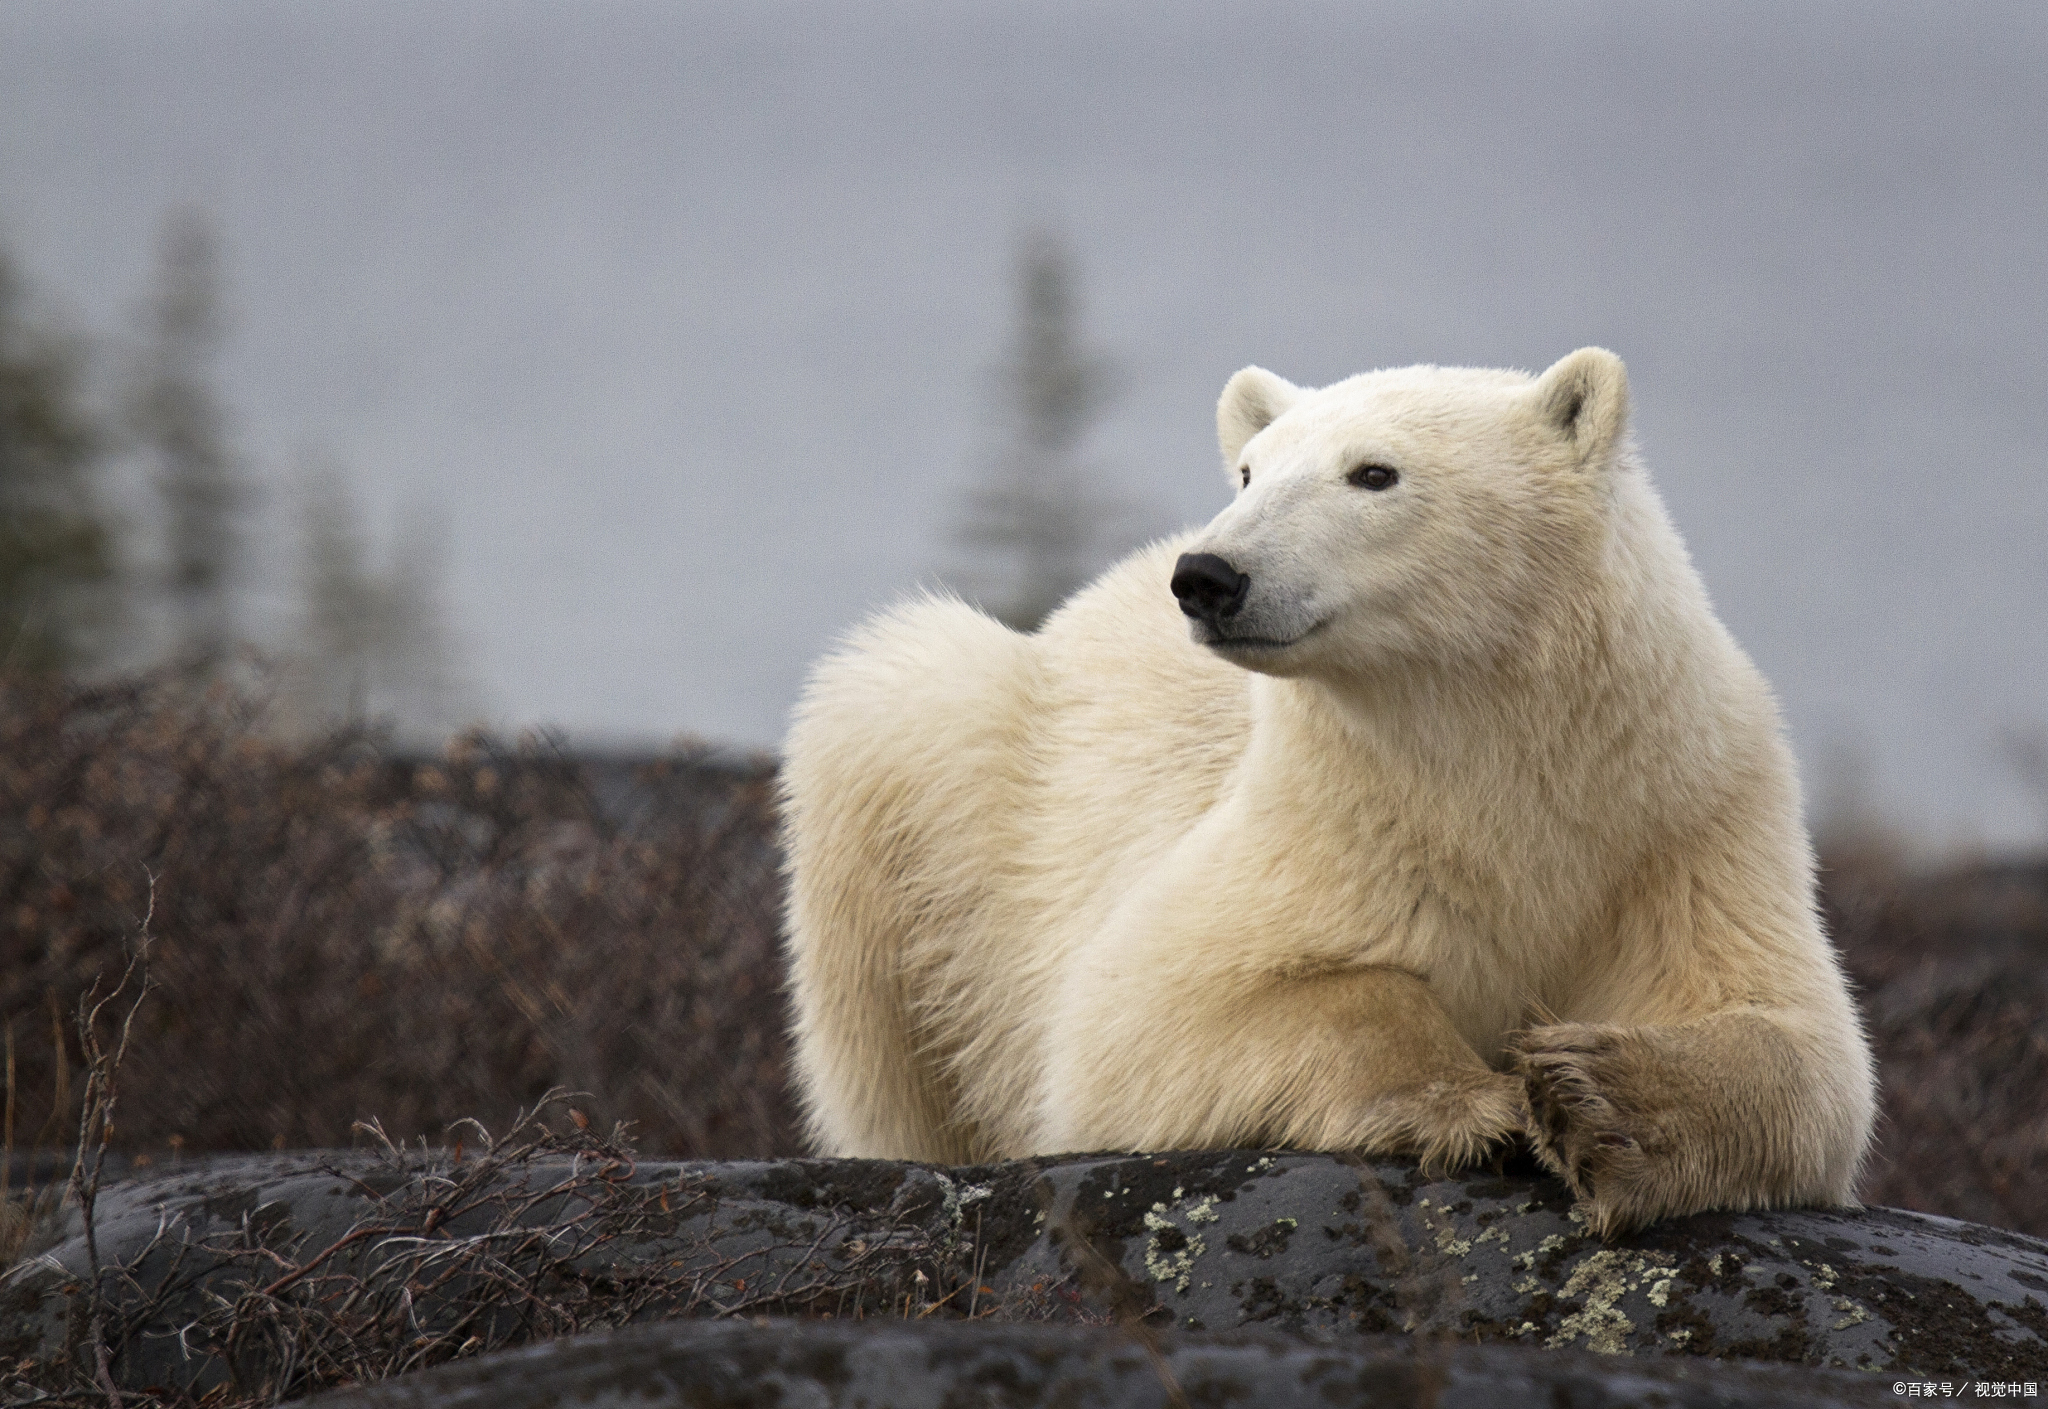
{"points": [[1135, 736]]}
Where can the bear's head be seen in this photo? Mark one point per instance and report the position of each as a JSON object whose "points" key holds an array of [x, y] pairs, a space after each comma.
{"points": [[1425, 514]]}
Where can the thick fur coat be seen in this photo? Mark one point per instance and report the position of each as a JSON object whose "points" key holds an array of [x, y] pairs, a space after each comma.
{"points": [[1463, 820]]}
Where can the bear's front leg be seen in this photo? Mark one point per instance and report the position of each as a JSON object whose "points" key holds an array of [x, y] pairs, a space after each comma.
{"points": [[1350, 1059], [1730, 1111]]}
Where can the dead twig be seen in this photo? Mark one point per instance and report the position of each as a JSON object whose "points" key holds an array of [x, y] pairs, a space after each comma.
{"points": [[96, 1124]]}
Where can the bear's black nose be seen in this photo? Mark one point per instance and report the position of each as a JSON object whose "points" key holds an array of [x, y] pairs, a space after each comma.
{"points": [[1208, 586]]}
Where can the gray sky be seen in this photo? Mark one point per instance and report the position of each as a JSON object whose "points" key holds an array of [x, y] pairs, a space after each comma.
{"points": [[680, 316]]}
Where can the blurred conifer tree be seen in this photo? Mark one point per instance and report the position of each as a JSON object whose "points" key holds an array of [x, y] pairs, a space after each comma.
{"points": [[181, 425], [1038, 513], [56, 546], [372, 644]]}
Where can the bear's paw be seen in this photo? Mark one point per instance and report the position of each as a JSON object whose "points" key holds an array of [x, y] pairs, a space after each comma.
{"points": [[1451, 1123], [1584, 1124]]}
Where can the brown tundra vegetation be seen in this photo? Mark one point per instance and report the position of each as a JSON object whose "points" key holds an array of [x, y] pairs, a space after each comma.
{"points": [[340, 933]]}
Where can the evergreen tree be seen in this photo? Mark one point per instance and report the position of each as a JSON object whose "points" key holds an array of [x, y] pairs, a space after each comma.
{"points": [[342, 604], [1038, 514], [56, 549], [372, 645], [182, 427]]}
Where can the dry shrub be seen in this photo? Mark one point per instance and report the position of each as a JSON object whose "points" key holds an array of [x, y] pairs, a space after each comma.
{"points": [[546, 1230], [1953, 983], [344, 934]]}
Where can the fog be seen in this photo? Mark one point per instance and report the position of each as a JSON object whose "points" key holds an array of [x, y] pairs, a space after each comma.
{"points": [[681, 317]]}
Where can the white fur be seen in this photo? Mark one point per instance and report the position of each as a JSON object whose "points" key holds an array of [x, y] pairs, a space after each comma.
{"points": [[1473, 820]]}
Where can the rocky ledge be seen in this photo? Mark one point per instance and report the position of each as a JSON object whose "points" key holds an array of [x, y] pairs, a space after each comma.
{"points": [[922, 1365], [290, 1274]]}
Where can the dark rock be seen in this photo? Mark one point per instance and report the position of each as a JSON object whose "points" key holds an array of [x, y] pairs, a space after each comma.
{"points": [[922, 1365], [1315, 1246]]}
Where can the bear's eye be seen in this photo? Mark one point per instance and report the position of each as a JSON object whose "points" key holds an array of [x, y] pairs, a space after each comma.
{"points": [[1244, 476], [1373, 476]]}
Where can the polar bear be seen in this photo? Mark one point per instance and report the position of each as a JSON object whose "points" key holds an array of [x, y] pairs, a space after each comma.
{"points": [[1419, 803]]}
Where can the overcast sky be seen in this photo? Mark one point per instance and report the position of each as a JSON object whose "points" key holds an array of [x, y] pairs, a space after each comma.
{"points": [[680, 316]]}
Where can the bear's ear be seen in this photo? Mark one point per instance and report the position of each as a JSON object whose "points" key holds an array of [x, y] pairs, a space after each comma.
{"points": [[1252, 400], [1584, 398]]}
